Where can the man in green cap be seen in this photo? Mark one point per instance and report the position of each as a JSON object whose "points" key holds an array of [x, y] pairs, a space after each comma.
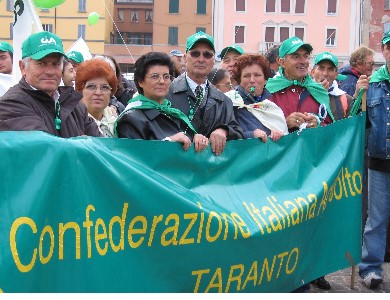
{"points": [[75, 59], [37, 102], [325, 72], [208, 109], [374, 237], [6, 57], [305, 103], [229, 56]]}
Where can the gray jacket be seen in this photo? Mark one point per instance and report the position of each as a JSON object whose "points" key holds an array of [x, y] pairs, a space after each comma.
{"points": [[215, 110]]}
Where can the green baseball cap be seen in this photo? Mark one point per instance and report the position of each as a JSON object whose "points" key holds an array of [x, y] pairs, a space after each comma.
{"points": [[234, 48], [6, 47], [41, 44], [386, 38], [327, 56], [199, 37], [76, 56], [291, 45]]}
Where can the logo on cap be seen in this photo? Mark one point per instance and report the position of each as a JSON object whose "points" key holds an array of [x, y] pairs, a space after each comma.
{"points": [[45, 41]]}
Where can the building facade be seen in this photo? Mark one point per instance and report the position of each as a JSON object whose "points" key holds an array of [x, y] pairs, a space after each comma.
{"points": [[376, 17], [68, 20], [329, 25]]}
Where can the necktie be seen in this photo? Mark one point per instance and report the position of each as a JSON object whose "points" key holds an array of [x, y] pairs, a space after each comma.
{"points": [[199, 93]]}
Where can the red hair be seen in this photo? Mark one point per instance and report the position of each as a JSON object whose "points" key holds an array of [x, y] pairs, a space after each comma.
{"points": [[95, 68]]}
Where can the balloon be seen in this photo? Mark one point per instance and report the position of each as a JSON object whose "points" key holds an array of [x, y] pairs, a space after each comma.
{"points": [[93, 18], [48, 3]]}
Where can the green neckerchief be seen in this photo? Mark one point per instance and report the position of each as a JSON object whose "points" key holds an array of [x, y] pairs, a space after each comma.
{"points": [[381, 74], [280, 82], [142, 102]]}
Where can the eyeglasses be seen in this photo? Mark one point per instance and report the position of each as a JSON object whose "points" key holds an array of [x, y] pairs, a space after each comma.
{"points": [[370, 63], [197, 53], [157, 77], [104, 88], [227, 85]]}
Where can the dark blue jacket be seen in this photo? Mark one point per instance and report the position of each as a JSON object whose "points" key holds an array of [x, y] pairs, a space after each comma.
{"points": [[349, 84]]}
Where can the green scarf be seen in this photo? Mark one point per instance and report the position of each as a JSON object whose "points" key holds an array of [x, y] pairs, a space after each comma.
{"points": [[381, 74], [142, 102], [280, 82]]}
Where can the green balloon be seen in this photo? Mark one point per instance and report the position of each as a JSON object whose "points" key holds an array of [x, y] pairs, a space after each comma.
{"points": [[47, 3], [93, 18]]}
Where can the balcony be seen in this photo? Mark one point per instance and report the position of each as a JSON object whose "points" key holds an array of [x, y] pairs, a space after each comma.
{"points": [[265, 46], [134, 1]]}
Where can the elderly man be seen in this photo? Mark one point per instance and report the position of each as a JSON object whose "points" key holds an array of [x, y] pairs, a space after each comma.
{"points": [[302, 100], [6, 53], [209, 110], [229, 56], [178, 62], [361, 65], [37, 102]]}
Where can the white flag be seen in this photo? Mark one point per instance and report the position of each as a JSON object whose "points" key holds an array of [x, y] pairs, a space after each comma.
{"points": [[5, 83], [81, 46], [26, 22]]}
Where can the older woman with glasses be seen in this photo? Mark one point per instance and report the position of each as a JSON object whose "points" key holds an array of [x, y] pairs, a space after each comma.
{"points": [[220, 78], [149, 115], [96, 81], [257, 116]]}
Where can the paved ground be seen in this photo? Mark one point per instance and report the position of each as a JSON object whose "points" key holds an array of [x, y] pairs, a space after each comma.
{"points": [[341, 282]]}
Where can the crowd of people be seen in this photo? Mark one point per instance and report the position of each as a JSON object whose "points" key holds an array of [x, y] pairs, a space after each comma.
{"points": [[182, 97]]}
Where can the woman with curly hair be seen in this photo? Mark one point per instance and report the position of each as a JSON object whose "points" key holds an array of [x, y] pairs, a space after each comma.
{"points": [[96, 81]]}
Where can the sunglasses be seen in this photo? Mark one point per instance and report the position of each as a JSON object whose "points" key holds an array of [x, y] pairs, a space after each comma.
{"points": [[197, 53]]}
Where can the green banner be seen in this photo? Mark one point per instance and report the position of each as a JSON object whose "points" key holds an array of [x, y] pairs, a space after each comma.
{"points": [[117, 215]]}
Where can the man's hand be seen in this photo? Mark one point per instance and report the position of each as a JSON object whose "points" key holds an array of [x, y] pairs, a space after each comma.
{"points": [[218, 140], [362, 82]]}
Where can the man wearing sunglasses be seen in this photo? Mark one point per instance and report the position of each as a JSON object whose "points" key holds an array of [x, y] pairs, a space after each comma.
{"points": [[37, 102], [361, 66], [209, 110]]}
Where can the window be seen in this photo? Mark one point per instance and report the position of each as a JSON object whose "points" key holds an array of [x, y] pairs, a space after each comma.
{"points": [[82, 4], [387, 5], [270, 34], [299, 32], [299, 6], [134, 39], [47, 27], [201, 29], [81, 31], [284, 33], [148, 39], [134, 16], [201, 7], [173, 6], [120, 15], [285, 6], [239, 37], [386, 27], [240, 5], [149, 16], [332, 7], [173, 33], [270, 6], [331, 37], [10, 5]]}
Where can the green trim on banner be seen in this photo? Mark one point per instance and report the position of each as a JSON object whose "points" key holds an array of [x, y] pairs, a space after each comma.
{"points": [[117, 215]]}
